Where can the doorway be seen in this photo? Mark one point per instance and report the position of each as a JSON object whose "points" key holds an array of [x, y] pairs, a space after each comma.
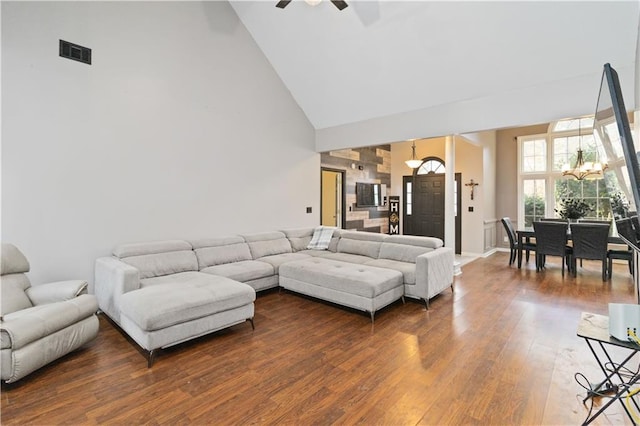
{"points": [[423, 212], [332, 197]]}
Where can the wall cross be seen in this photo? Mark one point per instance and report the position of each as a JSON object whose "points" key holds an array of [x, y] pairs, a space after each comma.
{"points": [[472, 184]]}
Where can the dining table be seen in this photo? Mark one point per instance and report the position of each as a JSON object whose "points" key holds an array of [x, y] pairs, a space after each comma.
{"points": [[524, 235]]}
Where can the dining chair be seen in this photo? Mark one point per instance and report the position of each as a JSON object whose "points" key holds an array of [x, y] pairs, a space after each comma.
{"points": [[552, 219], [590, 242], [602, 221], [551, 240], [527, 246], [619, 254]]}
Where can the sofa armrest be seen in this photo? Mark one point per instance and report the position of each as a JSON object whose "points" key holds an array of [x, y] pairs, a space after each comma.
{"points": [[434, 271], [113, 278], [56, 291], [28, 325]]}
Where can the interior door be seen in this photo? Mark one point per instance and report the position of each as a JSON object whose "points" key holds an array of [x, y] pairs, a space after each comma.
{"points": [[332, 197]]}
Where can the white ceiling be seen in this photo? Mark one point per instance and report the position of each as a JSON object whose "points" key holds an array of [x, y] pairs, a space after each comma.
{"points": [[379, 58]]}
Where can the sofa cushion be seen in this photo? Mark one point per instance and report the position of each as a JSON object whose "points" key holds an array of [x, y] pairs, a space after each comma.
{"points": [[362, 243], [218, 251], [243, 271], [299, 238], [429, 242], [152, 247], [345, 257], [407, 269], [154, 265], [12, 293], [276, 260], [402, 252], [267, 244], [12, 261], [163, 305]]}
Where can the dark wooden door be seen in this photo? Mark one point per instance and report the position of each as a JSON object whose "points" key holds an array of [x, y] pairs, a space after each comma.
{"points": [[425, 215], [428, 214]]}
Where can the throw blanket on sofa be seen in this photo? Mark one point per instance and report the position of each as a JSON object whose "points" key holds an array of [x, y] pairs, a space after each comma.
{"points": [[321, 238]]}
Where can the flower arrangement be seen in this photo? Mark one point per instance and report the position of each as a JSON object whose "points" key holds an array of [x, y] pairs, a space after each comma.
{"points": [[572, 208]]}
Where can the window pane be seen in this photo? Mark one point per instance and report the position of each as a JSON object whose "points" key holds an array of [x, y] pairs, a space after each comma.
{"points": [[534, 196], [534, 155], [593, 192]]}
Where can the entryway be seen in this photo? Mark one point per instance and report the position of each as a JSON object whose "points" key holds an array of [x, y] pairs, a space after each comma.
{"points": [[332, 198], [423, 212]]}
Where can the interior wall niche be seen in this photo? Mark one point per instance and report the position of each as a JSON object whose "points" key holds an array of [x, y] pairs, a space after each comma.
{"points": [[370, 165]]}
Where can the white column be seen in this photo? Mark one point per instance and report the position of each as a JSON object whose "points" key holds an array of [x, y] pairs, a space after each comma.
{"points": [[449, 201]]}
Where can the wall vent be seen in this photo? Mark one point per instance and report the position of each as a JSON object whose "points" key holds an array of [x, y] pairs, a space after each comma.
{"points": [[75, 52]]}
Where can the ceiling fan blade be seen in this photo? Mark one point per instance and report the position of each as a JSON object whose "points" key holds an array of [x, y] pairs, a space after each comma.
{"points": [[339, 4], [283, 3]]}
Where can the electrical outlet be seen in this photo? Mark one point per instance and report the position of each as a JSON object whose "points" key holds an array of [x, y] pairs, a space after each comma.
{"points": [[505, 239]]}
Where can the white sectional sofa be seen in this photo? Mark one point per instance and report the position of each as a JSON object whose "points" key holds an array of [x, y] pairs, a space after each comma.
{"points": [[166, 292]]}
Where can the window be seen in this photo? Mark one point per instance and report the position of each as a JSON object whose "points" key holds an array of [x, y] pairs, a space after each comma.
{"points": [[409, 199], [431, 165], [540, 181]]}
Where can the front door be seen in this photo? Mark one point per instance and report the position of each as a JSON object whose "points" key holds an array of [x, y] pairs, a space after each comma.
{"points": [[428, 205]]}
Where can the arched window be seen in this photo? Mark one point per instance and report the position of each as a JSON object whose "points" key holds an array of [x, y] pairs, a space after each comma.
{"points": [[431, 165], [541, 182]]}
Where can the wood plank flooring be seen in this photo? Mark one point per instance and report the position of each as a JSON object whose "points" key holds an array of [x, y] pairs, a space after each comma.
{"points": [[500, 349]]}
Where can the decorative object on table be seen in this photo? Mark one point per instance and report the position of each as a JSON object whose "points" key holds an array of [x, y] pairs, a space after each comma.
{"points": [[573, 208], [472, 184]]}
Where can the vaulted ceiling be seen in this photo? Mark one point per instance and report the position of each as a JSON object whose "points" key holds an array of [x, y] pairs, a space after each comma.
{"points": [[380, 58]]}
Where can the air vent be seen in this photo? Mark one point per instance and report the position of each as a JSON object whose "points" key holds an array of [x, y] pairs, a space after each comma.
{"points": [[75, 52]]}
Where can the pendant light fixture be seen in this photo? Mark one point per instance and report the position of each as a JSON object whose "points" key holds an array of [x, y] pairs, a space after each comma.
{"points": [[413, 163], [583, 169]]}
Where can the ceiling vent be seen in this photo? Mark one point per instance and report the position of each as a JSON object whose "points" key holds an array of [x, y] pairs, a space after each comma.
{"points": [[75, 52]]}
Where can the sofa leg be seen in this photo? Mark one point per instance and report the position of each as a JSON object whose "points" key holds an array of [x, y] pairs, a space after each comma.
{"points": [[403, 300], [372, 315], [426, 303], [151, 357], [253, 327]]}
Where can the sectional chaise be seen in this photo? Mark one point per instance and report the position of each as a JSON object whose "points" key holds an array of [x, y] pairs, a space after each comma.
{"points": [[162, 293]]}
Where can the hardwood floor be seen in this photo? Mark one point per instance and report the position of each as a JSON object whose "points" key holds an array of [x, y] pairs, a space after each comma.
{"points": [[500, 349]]}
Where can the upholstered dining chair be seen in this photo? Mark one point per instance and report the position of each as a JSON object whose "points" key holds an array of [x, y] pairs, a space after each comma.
{"points": [[42, 323], [551, 240], [590, 242], [513, 241], [626, 228]]}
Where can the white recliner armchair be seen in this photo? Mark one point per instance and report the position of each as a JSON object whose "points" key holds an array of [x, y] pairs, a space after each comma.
{"points": [[42, 323]]}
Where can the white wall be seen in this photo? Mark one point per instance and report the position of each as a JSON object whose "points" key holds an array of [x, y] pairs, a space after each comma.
{"points": [[179, 129], [548, 102]]}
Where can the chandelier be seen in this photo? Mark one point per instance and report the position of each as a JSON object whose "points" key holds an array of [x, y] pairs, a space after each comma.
{"points": [[583, 169], [414, 163]]}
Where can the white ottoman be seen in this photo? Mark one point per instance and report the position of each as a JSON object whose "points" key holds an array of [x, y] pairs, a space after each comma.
{"points": [[360, 287], [162, 315]]}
